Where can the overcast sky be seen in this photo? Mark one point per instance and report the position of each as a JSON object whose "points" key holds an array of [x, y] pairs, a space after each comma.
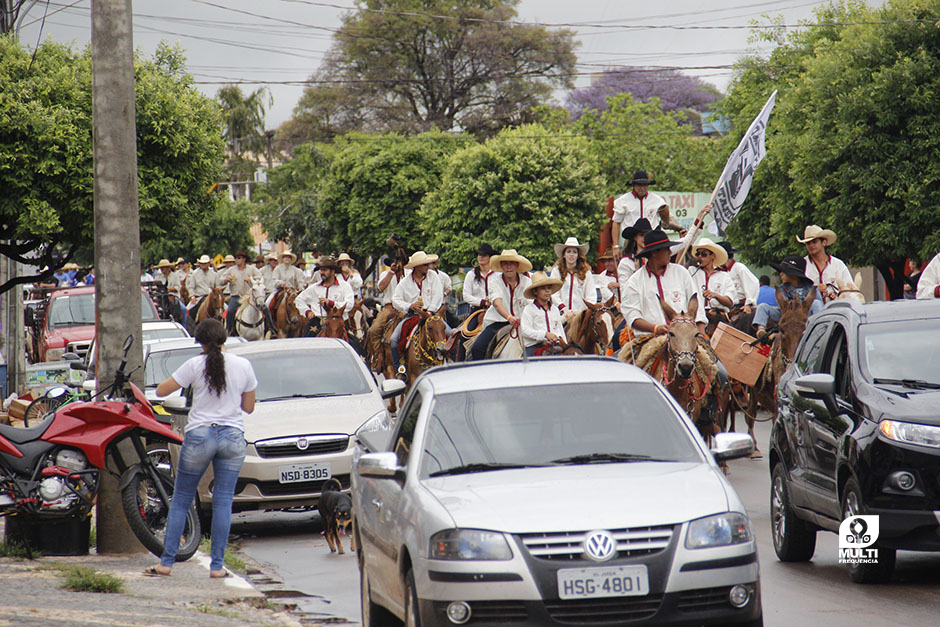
{"points": [[284, 40]]}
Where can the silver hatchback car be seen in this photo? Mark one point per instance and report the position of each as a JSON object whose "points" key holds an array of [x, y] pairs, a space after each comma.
{"points": [[555, 491]]}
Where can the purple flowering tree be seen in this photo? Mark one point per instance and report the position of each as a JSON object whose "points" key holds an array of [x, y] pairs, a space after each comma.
{"points": [[675, 91]]}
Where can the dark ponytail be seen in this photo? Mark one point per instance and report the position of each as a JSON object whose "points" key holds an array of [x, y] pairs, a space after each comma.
{"points": [[211, 334]]}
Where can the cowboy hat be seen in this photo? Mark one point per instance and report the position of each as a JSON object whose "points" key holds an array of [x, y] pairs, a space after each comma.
{"points": [[420, 258], [229, 259], [328, 262], [607, 255], [270, 256], [538, 280], [165, 263], [728, 247], [486, 249], [204, 259], [288, 253], [640, 177], [70, 266], [655, 239], [510, 254], [240, 253], [721, 255], [640, 226], [571, 242], [345, 257], [794, 265], [259, 259], [814, 231]]}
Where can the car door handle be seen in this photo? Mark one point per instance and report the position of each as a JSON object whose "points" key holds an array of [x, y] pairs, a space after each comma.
{"points": [[377, 504]]}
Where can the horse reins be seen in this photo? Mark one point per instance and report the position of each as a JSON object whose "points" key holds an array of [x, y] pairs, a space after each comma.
{"points": [[432, 345]]}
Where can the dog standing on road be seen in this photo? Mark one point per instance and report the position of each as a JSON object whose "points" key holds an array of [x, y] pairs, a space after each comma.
{"points": [[335, 509]]}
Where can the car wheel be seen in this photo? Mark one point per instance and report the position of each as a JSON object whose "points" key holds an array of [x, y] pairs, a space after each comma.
{"points": [[883, 570], [794, 538], [372, 614], [412, 616]]}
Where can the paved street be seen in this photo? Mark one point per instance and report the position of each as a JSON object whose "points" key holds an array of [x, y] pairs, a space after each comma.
{"points": [[818, 593]]}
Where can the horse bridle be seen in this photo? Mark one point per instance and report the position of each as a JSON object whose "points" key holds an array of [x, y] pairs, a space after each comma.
{"points": [[677, 355], [432, 345]]}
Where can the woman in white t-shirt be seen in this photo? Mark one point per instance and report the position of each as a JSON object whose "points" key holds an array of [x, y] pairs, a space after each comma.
{"points": [[223, 387]]}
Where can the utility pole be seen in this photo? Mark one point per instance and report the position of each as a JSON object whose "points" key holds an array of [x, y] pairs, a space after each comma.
{"points": [[117, 228]]}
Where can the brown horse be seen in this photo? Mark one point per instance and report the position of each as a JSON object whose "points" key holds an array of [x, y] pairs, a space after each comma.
{"points": [[592, 329], [212, 306], [287, 319], [333, 324], [378, 353], [356, 324], [427, 347]]}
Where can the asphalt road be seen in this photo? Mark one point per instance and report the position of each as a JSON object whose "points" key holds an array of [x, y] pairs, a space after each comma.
{"points": [[817, 593]]}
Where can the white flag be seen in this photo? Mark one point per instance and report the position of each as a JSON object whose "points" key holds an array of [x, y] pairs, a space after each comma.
{"points": [[735, 180]]}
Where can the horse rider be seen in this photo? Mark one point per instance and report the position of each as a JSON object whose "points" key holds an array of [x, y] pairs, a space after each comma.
{"points": [[286, 274], [267, 272], [237, 278], [314, 301], [576, 277], [640, 203], [716, 285], [389, 281], [348, 274], [658, 280], [826, 270], [794, 285], [417, 291], [542, 322], [633, 245], [475, 283], [607, 282], [748, 286], [172, 278], [200, 281], [928, 284], [507, 298]]}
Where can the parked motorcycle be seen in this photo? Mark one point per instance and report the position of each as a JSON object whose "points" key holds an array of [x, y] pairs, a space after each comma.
{"points": [[53, 470]]}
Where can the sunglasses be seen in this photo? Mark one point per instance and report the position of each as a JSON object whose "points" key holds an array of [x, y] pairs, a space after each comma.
{"points": [[703, 253]]}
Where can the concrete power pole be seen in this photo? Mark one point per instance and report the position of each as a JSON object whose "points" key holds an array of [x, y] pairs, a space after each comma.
{"points": [[117, 228]]}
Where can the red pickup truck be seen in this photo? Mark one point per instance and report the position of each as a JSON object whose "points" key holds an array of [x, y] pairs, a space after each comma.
{"points": [[67, 322]]}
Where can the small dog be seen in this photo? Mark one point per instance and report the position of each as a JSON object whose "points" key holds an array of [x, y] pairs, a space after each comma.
{"points": [[336, 511]]}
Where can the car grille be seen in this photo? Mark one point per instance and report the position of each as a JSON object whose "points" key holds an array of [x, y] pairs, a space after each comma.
{"points": [[275, 488], [604, 611], [498, 611], [316, 445], [568, 545], [80, 348], [704, 599]]}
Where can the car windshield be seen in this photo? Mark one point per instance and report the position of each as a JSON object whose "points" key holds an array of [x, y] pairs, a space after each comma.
{"points": [[553, 425], [900, 350], [170, 333], [307, 374], [161, 365], [79, 310]]}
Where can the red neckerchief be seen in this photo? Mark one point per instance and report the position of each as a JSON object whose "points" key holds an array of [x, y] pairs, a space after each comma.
{"points": [[659, 284], [420, 285], [727, 267], [570, 288], [641, 199], [548, 327], [707, 277], [511, 290], [323, 284], [820, 270]]}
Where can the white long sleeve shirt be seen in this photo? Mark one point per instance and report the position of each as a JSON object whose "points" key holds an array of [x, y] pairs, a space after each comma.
{"points": [[474, 290], [513, 299], [828, 274], [642, 292], [747, 284], [536, 322], [354, 281], [200, 283], [601, 283], [574, 291], [291, 275], [629, 208], [929, 281], [390, 289], [407, 292], [241, 286], [339, 292], [718, 281]]}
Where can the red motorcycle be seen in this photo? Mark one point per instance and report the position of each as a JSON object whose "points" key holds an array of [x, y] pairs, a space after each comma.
{"points": [[53, 470]]}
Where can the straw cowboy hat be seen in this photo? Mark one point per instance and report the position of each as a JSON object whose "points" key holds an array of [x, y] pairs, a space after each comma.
{"points": [[420, 258], [345, 257], [510, 254], [71, 266], [204, 259], [165, 263], [230, 259], [538, 280], [288, 253], [721, 255], [270, 256], [571, 242], [328, 262], [607, 255], [814, 231]]}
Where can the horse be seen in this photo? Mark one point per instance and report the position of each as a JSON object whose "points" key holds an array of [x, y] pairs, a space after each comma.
{"points": [[850, 290], [427, 347], [593, 328], [356, 324], [212, 305], [378, 352], [287, 319], [333, 324], [249, 318]]}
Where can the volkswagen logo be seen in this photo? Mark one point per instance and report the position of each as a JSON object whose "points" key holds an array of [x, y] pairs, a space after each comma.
{"points": [[600, 546], [302, 444]]}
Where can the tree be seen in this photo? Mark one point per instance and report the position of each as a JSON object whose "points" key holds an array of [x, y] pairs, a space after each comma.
{"points": [[320, 115], [46, 151], [243, 130], [224, 230], [416, 65], [676, 91], [854, 144], [526, 188], [375, 186]]}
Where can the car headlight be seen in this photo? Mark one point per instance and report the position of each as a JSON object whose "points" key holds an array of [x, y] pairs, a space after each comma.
{"points": [[718, 530], [378, 422], [469, 544], [910, 433]]}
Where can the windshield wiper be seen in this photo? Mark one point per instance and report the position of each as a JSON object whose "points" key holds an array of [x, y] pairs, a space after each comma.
{"points": [[480, 467], [607, 458], [908, 383], [290, 396]]}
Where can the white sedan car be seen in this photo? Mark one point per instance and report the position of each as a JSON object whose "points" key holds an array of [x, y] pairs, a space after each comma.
{"points": [[557, 491]]}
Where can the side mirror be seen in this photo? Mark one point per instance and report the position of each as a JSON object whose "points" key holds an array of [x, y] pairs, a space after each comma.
{"points": [[392, 387], [380, 466], [56, 392], [817, 386], [128, 342], [77, 365], [732, 446]]}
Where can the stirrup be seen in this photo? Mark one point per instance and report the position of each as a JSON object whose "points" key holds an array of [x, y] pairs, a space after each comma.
{"points": [[401, 370]]}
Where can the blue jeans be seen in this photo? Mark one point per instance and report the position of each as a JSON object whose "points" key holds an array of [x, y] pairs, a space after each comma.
{"points": [[233, 304], [478, 350], [771, 313], [225, 448]]}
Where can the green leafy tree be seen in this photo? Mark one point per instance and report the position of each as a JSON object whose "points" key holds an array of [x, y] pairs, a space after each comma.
{"points": [[46, 202], [225, 230], [375, 187], [243, 130], [854, 143], [526, 188]]}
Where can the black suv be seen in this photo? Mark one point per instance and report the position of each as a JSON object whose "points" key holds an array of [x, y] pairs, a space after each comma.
{"points": [[858, 432]]}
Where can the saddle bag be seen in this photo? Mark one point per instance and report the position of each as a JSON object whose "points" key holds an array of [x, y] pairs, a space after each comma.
{"points": [[743, 360]]}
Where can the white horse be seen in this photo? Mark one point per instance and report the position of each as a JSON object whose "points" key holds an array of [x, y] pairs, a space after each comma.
{"points": [[851, 290], [249, 318]]}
